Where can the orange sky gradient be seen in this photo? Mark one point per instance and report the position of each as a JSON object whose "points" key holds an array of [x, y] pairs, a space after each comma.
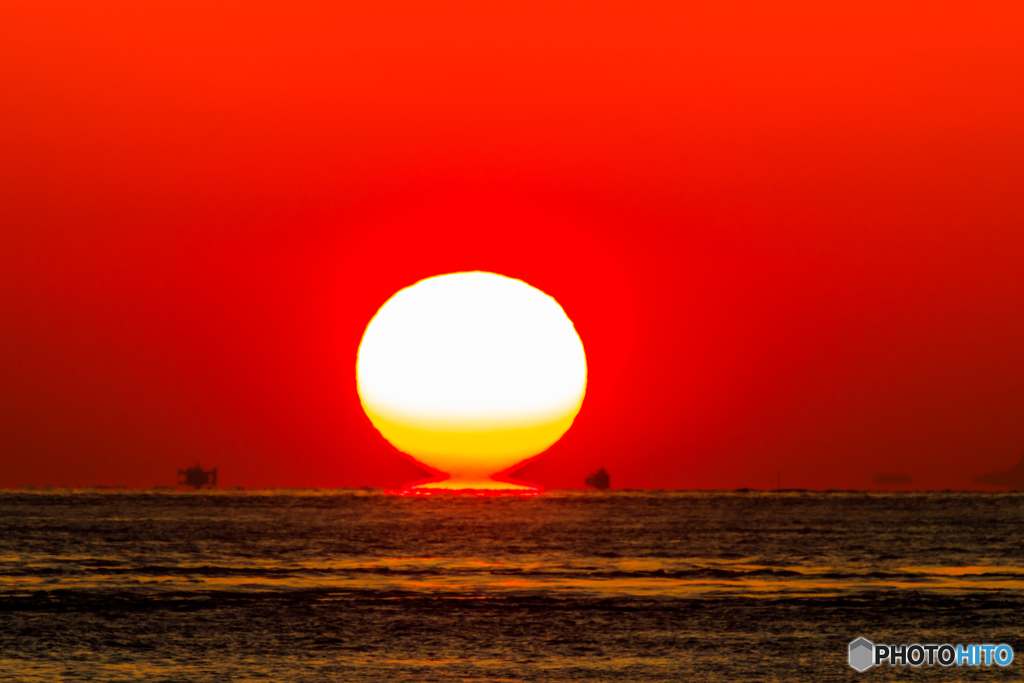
{"points": [[790, 235]]}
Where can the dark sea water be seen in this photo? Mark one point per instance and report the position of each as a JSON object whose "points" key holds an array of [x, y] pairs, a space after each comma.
{"points": [[624, 586]]}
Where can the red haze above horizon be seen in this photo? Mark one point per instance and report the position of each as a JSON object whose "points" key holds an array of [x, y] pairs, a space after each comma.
{"points": [[791, 237]]}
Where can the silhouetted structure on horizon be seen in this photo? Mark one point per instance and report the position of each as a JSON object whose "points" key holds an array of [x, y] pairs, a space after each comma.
{"points": [[599, 480], [197, 476]]}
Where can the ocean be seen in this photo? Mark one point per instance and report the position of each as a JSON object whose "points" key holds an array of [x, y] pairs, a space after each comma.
{"points": [[355, 585]]}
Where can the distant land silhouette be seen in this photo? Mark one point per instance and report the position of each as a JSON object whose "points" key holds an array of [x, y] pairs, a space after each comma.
{"points": [[891, 479], [1012, 478]]}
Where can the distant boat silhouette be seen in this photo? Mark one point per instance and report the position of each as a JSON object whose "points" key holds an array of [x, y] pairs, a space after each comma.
{"points": [[599, 480], [196, 476]]}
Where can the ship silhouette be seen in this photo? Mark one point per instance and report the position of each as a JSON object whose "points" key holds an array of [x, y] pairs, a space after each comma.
{"points": [[196, 476], [599, 480]]}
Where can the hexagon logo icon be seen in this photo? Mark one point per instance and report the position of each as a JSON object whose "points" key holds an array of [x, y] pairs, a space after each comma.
{"points": [[862, 654]]}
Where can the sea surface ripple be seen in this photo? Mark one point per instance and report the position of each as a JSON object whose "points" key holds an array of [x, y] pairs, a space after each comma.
{"points": [[354, 585]]}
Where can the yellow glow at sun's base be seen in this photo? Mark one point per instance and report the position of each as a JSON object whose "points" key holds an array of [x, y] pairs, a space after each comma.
{"points": [[424, 492], [472, 457], [470, 374]]}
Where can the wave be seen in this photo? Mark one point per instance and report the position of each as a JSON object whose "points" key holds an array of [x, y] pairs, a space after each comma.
{"points": [[100, 568]]}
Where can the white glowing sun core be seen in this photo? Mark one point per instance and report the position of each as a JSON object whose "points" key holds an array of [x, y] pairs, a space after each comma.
{"points": [[471, 351]]}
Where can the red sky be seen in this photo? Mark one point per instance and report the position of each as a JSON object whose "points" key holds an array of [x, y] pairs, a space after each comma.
{"points": [[791, 235]]}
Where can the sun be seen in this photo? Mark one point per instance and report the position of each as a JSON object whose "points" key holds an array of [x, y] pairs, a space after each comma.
{"points": [[470, 374]]}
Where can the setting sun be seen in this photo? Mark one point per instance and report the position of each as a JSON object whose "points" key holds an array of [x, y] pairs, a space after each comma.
{"points": [[471, 373]]}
